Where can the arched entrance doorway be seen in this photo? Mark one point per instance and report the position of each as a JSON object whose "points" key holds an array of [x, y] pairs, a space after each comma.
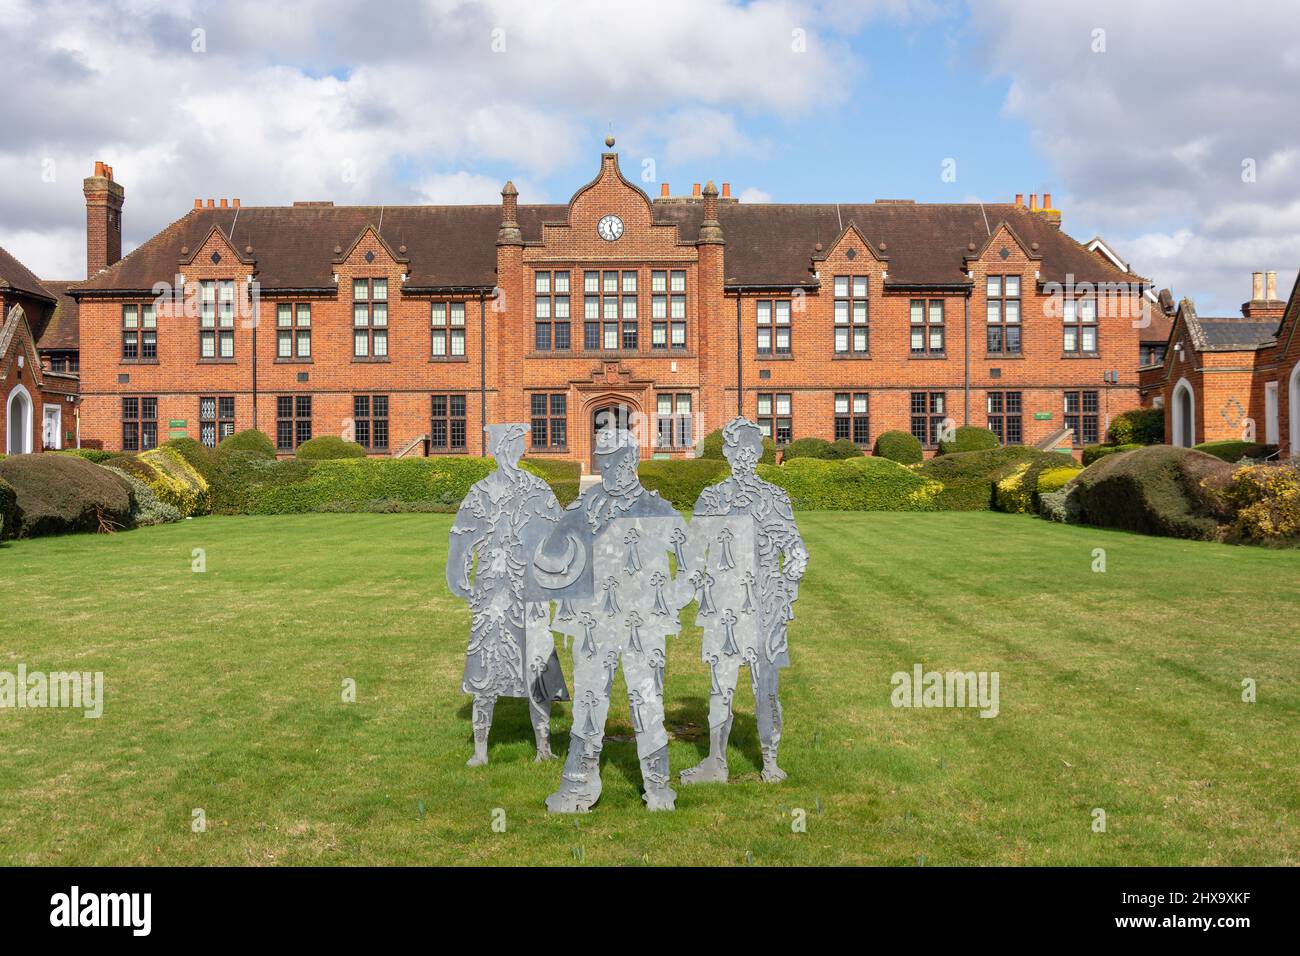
{"points": [[18, 422], [609, 415], [1183, 415]]}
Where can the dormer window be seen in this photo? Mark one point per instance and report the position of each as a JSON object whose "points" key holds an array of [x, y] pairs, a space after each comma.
{"points": [[370, 319], [1080, 326], [1002, 303], [217, 320], [852, 332]]}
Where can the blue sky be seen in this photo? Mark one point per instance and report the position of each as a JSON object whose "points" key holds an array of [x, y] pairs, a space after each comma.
{"points": [[1138, 118]]}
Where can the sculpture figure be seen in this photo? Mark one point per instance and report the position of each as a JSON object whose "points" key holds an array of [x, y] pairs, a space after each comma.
{"points": [[511, 648], [746, 560], [607, 563]]}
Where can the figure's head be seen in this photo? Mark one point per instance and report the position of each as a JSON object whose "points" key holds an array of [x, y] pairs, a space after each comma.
{"points": [[742, 444], [506, 442], [617, 456]]}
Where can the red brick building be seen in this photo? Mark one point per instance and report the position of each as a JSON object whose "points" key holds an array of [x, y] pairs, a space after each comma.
{"points": [[1233, 377], [409, 327]]}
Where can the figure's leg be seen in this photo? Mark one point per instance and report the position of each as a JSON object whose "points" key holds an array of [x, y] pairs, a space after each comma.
{"points": [[713, 768], [580, 780], [767, 706], [647, 707], [482, 722], [540, 712], [540, 649]]}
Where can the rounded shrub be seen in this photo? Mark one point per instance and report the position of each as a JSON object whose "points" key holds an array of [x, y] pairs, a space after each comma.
{"points": [[842, 450], [1093, 453], [1235, 451], [564, 477], [149, 508], [8, 504], [808, 448], [329, 448], [60, 494], [199, 456], [680, 481], [969, 438], [970, 478], [1158, 489], [1266, 502], [1137, 426], [96, 455], [250, 440], [858, 484], [902, 447]]}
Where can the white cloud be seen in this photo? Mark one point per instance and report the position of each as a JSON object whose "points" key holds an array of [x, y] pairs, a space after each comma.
{"points": [[1149, 136], [754, 194]]}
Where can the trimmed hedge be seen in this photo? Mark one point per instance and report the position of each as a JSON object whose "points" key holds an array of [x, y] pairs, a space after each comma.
{"points": [[329, 448], [96, 455], [250, 440], [1018, 492], [969, 478], [902, 447], [858, 484], [1093, 453], [969, 438], [8, 504], [1266, 500], [711, 448], [171, 478], [1234, 451], [249, 484], [681, 481], [149, 508], [60, 494], [1137, 426], [821, 449], [564, 477], [200, 457], [1158, 489]]}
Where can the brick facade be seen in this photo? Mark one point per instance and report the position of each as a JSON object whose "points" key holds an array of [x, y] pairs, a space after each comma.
{"points": [[719, 251]]}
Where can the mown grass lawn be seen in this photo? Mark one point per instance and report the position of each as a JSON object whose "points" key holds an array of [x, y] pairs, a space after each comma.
{"points": [[1120, 690]]}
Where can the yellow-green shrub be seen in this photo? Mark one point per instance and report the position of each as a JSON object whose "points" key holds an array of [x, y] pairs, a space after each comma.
{"points": [[1054, 479], [169, 476], [1012, 494], [1267, 502]]}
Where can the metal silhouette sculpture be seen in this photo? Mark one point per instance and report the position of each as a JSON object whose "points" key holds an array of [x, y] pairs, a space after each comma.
{"points": [[606, 563], [511, 648], [746, 559]]}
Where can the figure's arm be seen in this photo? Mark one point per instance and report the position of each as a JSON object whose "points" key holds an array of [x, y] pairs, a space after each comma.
{"points": [[465, 533]]}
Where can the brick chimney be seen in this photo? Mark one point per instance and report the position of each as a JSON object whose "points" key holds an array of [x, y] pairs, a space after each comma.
{"points": [[509, 234], [103, 219], [1264, 303], [710, 228]]}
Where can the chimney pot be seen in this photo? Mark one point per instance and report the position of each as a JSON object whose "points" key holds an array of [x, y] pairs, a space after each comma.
{"points": [[695, 189], [1033, 200], [726, 190], [663, 190], [1020, 199], [1047, 200], [224, 203], [198, 204], [212, 204], [1257, 286], [1270, 286], [235, 203]]}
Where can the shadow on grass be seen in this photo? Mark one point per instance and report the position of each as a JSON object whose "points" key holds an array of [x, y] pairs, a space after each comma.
{"points": [[512, 723]]}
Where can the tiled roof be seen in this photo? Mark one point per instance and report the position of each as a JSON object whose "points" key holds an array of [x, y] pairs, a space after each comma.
{"points": [[451, 246], [63, 328], [14, 275], [1226, 334]]}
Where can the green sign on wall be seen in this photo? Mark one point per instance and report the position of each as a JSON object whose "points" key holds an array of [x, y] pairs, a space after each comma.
{"points": [[178, 423], [1042, 416]]}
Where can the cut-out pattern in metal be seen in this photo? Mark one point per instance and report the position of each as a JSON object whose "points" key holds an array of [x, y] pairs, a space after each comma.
{"points": [[494, 537], [623, 603], [749, 559]]}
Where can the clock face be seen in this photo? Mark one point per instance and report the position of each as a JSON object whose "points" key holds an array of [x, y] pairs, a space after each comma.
{"points": [[610, 228]]}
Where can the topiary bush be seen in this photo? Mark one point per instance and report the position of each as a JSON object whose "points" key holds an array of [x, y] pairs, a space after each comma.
{"points": [[711, 448], [858, 484], [1158, 489], [842, 450], [1266, 502], [200, 457], [818, 448], [1235, 451], [8, 504], [969, 478], [563, 476], [329, 448], [250, 441], [149, 509], [681, 481], [902, 447], [1137, 426], [171, 478], [969, 438], [96, 455], [61, 494], [1093, 453], [1018, 492]]}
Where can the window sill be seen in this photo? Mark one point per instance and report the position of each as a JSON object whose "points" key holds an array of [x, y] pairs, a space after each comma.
{"points": [[293, 361], [557, 450], [611, 354], [208, 361], [928, 356], [127, 361], [776, 357], [448, 359], [447, 451], [360, 360], [1078, 356], [1004, 356], [851, 357]]}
